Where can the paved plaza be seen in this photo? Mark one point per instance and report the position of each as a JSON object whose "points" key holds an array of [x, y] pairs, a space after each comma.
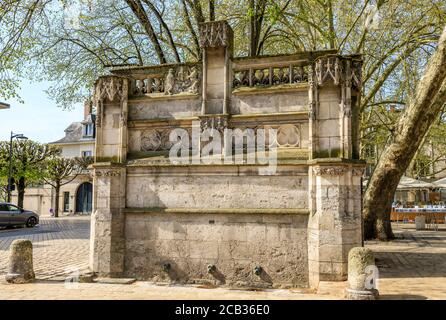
{"points": [[413, 266], [60, 245]]}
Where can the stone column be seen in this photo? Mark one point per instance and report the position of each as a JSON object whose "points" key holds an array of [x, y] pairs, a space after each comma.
{"points": [[216, 41], [335, 221], [107, 221]]}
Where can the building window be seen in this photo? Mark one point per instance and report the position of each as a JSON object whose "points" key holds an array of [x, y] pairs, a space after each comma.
{"points": [[88, 130], [66, 201], [87, 153]]}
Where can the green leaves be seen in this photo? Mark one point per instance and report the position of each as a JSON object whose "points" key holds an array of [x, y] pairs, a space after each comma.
{"points": [[27, 159]]}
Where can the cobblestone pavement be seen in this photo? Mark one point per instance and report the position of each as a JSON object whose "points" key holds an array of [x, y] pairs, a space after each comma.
{"points": [[413, 266], [59, 244]]}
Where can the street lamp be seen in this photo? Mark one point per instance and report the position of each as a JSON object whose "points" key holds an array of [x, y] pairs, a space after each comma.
{"points": [[13, 136]]}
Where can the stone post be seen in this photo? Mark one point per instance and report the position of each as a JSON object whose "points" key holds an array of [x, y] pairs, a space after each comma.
{"points": [[334, 226], [20, 262], [361, 265], [107, 221]]}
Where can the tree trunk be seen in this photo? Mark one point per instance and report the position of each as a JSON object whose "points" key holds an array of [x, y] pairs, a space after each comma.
{"points": [[21, 185], [144, 20], [211, 10], [331, 25], [252, 31], [421, 112], [56, 204]]}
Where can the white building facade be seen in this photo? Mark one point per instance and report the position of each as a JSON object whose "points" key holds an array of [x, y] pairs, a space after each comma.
{"points": [[76, 196]]}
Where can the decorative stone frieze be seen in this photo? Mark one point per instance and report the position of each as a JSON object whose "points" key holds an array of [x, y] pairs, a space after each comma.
{"points": [[155, 140], [273, 75], [214, 122], [329, 171], [175, 80], [105, 173]]}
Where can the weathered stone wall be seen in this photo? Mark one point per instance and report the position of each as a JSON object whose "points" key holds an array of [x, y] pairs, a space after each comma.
{"points": [[169, 221], [258, 103], [140, 109], [234, 243], [216, 187]]}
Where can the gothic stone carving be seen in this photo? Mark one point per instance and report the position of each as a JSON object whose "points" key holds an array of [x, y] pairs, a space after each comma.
{"points": [[106, 173], [155, 140], [110, 88], [312, 94], [330, 171], [218, 123], [288, 135], [328, 68], [339, 70], [342, 71], [274, 75], [180, 79], [357, 171], [215, 34], [169, 83]]}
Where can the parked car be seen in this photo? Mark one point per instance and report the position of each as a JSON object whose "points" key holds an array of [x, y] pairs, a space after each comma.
{"points": [[11, 215]]}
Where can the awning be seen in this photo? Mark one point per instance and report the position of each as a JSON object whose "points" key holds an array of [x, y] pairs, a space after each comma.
{"points": [[410, 183], [441, 183], [407, 183]]}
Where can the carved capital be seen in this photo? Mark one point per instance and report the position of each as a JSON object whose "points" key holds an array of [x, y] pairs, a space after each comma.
{"points": [[358, 171], [338, 70], [105, 173], [329, 171], [328, 68], [109, 88], [215, 34]]}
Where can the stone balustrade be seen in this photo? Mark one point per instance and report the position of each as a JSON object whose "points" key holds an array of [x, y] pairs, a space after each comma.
{"points": [[272, 75], [165, 80]]}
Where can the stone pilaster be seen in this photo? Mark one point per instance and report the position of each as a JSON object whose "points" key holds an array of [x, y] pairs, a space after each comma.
{"points": [[107, 221], [216, 41], [334, 100], [110, 97], [335, 220]]}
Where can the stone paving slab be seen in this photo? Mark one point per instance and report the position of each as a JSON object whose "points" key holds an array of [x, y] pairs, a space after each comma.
{"points": [[413, 266], [140, 290], [60, 245]]}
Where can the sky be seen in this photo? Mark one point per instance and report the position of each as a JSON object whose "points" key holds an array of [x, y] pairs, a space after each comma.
{"points": [[38, 118]]}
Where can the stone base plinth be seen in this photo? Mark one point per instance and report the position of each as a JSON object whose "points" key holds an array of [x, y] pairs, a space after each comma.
{"points": [[17, 278], [352, 294]]}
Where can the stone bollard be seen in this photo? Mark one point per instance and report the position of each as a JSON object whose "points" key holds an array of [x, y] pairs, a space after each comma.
{"points": [[20, 262], [360, 262]]}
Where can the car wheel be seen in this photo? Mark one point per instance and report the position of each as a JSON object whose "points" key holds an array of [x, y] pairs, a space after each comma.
{"points": [[31, 222]]}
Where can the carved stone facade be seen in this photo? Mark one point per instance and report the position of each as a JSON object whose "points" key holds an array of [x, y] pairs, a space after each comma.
{"points": [[294, 212], [171, 81]]}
